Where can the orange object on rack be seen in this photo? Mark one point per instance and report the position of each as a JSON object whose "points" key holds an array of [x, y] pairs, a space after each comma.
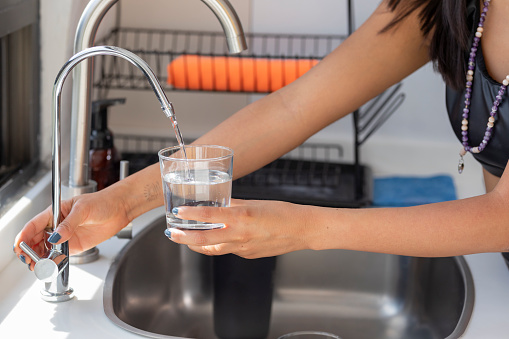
{"points": [[235, 74]]}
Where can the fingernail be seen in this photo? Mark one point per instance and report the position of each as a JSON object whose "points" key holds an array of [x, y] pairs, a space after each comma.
{"points": [[22, 258], [167, 233], [175, 211], [54, 238], [29, 267], [14, 248]]}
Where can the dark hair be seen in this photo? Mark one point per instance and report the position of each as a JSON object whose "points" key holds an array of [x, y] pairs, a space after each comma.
{"points": [[444, 22]]}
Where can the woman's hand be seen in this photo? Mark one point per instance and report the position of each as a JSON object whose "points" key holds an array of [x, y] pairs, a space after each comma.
{"points": [[253, 228], [88, 220]]}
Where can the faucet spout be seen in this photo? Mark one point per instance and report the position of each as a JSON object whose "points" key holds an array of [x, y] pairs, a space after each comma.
{"points": [[58, 286], [235, 39]]}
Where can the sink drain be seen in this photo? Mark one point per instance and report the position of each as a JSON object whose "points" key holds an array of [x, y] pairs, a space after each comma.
{"points": [[309, 335]]}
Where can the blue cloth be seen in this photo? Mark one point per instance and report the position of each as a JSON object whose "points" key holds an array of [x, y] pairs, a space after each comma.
{"points": [[410, 191]]}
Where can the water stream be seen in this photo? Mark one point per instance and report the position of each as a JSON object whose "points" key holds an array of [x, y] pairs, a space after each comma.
{"points": [[169, 111]]}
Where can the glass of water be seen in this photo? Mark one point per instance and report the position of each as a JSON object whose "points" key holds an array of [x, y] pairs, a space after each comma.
{"points": [[200, 176]]}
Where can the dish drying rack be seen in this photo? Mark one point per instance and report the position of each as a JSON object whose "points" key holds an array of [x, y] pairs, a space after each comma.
{"points": [[311, 174], [270, 56], [161, 48]]}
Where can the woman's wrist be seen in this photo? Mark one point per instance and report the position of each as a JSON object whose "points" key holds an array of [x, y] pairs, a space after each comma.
{"points": [[140, 192], [313, 228], [327, 227]]}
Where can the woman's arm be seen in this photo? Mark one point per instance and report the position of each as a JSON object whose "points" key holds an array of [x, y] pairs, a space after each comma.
{"points": [[474, 225], [362, 67], [266, 228]]}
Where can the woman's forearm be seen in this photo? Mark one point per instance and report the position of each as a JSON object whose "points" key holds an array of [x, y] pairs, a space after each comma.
{"points": [[473, 225]]}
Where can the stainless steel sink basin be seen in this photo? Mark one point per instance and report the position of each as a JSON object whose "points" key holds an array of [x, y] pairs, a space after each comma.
{"points": [[162, 290]]}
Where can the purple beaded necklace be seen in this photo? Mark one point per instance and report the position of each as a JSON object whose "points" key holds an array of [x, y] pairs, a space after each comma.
{"points": [[468, 91]]}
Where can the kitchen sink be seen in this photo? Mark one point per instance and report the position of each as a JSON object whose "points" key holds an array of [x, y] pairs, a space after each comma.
{"points": [[160, 289]]}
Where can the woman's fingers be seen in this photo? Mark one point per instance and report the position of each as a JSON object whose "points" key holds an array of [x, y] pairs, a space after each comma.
{"points": [[210, 250], [33, 234], [200, 237], [66, 228], [202, 213]]}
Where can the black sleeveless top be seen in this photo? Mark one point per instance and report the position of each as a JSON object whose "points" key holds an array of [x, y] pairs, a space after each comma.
{"points": [[484, 90]]}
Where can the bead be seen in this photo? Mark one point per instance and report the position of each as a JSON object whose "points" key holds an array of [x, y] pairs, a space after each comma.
{"points": [[480, 29], [490, 124], [470, 78], [478, 34], [491, 119], [507, 77], [505, 82], [464, 122], [470, 72], [475, 149]]}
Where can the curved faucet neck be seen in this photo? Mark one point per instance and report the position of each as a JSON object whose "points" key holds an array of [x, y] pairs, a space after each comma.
{"points": [[57, 94], [83, 74]]}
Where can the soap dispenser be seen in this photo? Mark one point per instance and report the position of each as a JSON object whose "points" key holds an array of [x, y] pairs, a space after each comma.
{"points": [[104, 157]]}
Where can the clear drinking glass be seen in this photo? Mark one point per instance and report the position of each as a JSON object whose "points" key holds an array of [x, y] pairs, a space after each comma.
{"points": [[309, 335], [204, 178]]}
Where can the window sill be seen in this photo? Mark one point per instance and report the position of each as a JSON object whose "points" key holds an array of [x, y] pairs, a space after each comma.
{"points": [[18, 213]]}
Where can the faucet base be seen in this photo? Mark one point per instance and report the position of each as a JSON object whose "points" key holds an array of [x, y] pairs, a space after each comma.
{"points": [[85, 257], [57, 297]]}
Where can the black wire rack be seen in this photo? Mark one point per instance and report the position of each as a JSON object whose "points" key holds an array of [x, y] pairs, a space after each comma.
{"points": [[312, 174], [202, 62]]}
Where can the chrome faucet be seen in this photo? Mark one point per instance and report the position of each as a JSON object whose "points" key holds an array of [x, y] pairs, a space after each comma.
{"points": [[53, 267], [79, 182]]}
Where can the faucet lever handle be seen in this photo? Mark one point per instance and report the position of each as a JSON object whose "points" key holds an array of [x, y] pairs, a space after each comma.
{"points": [[45, 269]]}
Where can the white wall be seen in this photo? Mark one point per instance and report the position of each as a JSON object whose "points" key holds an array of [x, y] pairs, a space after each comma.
{"points": [[58, 26]]}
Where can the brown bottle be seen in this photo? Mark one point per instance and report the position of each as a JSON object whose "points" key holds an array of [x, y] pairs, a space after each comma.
{"points": [[104, 157]]}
